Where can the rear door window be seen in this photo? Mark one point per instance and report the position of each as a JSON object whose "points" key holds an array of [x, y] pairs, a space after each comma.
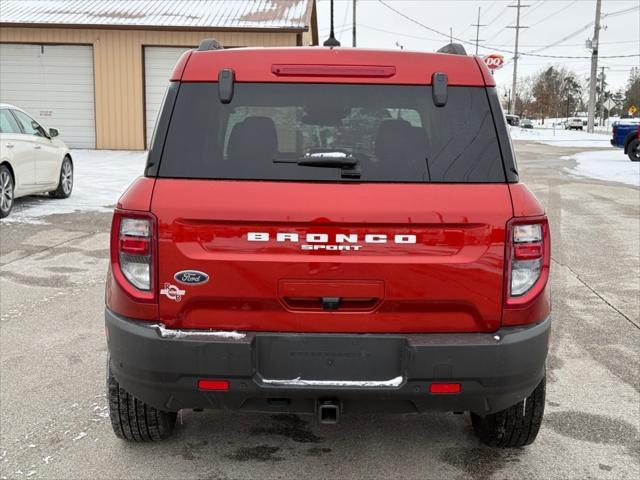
{"points": [[390, 133]]}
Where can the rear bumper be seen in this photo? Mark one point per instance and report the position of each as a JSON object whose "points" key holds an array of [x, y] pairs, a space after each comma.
{"points": [[162, 368]]}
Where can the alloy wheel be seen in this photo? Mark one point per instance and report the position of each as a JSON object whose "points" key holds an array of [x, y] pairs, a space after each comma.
{"points": [[6, 191], [67, 177]]}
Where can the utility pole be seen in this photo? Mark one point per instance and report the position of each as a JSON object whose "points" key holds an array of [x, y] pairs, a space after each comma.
{"points": [[517, 27], [477, 25], [354, 23], [450, 34], [594, 68], [602, 95]]}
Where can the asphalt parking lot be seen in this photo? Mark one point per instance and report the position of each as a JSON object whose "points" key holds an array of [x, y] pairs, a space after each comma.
{"points": [[54, 421]]}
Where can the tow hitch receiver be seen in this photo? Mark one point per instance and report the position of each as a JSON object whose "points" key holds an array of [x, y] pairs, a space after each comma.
{"points": [[328, 412]]}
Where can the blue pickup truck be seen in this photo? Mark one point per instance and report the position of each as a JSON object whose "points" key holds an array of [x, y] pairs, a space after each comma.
{"points": [[626, 134]]}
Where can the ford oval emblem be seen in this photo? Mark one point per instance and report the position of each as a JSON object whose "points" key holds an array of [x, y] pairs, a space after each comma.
{"points": [[191, 277]]}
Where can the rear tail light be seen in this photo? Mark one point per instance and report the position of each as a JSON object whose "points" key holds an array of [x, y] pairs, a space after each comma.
{"points": [[528, 257], [638, 131], [133, 253]]}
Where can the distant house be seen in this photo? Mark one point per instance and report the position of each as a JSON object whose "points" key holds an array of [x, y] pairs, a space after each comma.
{"points": [[97, 70]]}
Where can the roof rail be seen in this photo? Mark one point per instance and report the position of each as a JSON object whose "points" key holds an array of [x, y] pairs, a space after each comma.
{"points": [[453, 48], [209, 44]]}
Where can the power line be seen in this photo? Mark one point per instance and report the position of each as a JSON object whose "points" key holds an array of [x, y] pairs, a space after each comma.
{"points": [[488, 47], [570, 44], [571, 35], [554, 13], [620, 12], [539, 3], [533, 8], [500, 14], [469, 26]]}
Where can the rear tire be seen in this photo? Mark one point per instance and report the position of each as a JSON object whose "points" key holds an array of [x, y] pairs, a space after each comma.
{"points": [[7, 186], [515, 426], [633, 150], [65, 181], [134, 420]]}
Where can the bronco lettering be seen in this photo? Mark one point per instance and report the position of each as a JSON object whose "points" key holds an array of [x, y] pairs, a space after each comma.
{"points": [[324, 238]]}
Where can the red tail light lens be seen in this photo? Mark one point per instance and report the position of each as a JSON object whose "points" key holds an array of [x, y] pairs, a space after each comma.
{"points": [[528, 257], [445, 388], [132, 253], [213, 385]]}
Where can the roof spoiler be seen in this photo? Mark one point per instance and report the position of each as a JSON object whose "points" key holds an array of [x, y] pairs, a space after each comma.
{"points": [[453, 49], [209, 44]]}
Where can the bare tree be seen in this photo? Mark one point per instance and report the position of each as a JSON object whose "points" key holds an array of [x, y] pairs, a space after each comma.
{"points": [[556, 92]]}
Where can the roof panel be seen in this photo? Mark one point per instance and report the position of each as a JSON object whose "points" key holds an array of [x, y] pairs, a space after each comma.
{"points": [[249, 14]]}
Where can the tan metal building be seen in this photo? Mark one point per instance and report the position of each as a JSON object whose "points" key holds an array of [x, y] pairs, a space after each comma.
{"points": [[97, 70]]}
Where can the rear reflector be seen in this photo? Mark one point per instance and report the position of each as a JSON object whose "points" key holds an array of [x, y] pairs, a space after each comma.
{"points": [[527, 251], [444, 388], [219, 385], [134, 245], [384, 71]]}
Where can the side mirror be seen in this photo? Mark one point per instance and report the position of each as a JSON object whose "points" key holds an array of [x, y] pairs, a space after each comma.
{"points": [[53, 132]]}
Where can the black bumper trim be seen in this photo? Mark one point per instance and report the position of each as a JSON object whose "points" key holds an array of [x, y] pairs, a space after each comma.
{"points": [[496, 370]]}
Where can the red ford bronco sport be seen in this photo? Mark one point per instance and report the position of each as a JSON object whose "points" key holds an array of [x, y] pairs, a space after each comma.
{"points": [[326, 231]]}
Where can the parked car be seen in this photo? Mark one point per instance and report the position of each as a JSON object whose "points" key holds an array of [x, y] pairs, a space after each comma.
{"points": [[573, 124], [626, 135], [310, 237], [526, 123], [513, 120], [32, 159]]}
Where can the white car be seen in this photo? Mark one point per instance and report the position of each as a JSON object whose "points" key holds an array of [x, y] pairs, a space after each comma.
{"points": [[574, 124], [32, 160]]}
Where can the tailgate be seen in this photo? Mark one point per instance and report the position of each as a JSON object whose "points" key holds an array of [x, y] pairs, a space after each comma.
{"points": [[322, 257]]}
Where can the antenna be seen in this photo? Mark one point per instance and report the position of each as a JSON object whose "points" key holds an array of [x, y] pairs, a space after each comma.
{"points": [[331, 41]]}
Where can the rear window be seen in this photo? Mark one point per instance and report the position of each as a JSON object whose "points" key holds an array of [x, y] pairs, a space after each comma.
{"points": [[330, 132]]}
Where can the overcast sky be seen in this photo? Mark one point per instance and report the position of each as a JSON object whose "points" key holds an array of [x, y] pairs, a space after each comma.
{"points": [[564, 23]]}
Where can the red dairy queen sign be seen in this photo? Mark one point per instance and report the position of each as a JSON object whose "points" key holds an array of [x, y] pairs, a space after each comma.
{"points": [[494, 61]]}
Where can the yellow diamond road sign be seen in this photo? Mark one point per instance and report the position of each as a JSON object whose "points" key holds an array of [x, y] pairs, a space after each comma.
{"points": [[633, 109]]}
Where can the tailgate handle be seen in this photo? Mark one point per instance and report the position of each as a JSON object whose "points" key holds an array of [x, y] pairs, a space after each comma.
{"points": [[331, 295]]}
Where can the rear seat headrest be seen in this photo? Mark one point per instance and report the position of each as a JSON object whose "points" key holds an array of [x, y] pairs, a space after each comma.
{"points": [[253, 139]]}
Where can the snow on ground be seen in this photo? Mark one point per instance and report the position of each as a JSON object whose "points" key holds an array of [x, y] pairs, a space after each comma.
{"points": [[561, 138], [100, 177], [611, 165]]}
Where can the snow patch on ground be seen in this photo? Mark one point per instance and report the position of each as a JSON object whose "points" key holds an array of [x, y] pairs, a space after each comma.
{"points": [[611, 165], [100, 177], [561, 138]]}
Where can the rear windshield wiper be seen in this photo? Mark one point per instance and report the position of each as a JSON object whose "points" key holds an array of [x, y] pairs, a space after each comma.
{"points": [[348, 163]]}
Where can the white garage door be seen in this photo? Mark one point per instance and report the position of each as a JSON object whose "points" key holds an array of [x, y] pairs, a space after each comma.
{"points": [[54, 83], [158, 65]]}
